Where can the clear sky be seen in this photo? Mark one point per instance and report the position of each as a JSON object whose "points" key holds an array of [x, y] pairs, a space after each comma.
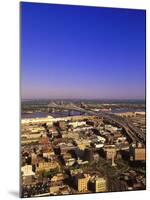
{"points": [[82, 52]]}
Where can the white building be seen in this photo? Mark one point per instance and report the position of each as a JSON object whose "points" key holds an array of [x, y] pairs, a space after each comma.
{"points": [[27, 170]]}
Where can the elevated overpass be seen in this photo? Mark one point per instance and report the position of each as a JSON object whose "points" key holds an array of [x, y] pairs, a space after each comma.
{"points": [[135, 134]]}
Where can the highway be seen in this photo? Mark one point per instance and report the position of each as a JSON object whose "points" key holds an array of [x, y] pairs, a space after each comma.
{"points": [[135, 134]]}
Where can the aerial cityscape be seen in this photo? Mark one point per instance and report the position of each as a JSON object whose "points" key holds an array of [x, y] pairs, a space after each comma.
{"points": [[83, 109]]}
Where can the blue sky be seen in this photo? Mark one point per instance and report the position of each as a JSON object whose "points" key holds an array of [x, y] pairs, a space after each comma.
{"points": [[82, 52]]}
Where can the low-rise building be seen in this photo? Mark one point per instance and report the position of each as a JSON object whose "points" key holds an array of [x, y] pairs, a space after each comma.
{"points": [[81, 182], [77, 123], [27, 170], [83, 143], [98, 184], [46, 166], [137, 154], [58, 177]]}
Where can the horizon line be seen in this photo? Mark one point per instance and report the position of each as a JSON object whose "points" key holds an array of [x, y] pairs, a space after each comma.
{"points": [[83, 98]]}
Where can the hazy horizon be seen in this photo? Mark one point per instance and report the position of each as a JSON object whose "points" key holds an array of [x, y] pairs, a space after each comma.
{"points": [[98, 99]]}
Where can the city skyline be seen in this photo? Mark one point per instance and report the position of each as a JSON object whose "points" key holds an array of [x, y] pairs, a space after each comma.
{"points": [[82, 52], [83, 104]]}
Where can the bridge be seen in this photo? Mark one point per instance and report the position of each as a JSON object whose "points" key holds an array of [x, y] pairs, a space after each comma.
{"points": [[134, 133]]}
